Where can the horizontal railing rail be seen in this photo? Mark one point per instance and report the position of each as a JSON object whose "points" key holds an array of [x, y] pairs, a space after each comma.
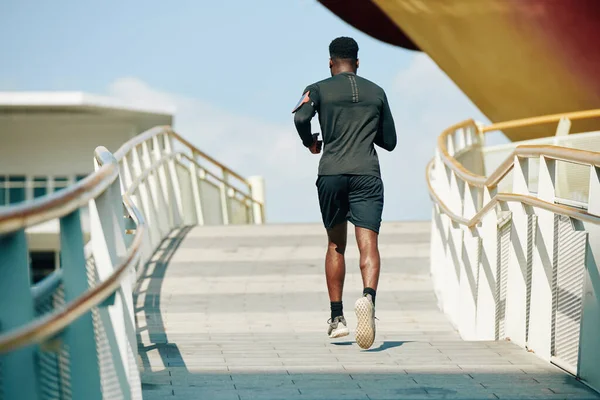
{"points": [[49, 325], [204, 166], [533, 201], [55, 205], [541, 120], [165, 130], [236, 191], [558, 153]]}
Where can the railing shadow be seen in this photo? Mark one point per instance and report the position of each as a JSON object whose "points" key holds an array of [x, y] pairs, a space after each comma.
{"points": [[149, 285]]}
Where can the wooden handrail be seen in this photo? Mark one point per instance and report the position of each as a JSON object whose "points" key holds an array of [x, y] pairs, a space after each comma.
{"points": [[58, 204], [51, 324], [506, 197], [207, 157], [219, 179], [149, 134], [451, 162], [558, 153], [545, 119]]}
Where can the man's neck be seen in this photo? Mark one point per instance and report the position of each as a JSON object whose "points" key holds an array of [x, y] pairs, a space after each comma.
{"points": [[344, 70]]}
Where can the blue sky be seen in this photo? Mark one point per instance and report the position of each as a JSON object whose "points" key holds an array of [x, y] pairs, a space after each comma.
{"points": [[233, 70]]}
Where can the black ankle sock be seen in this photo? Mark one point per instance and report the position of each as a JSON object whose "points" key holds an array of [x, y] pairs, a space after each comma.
{"points": [[370, 291], [337, 309]]}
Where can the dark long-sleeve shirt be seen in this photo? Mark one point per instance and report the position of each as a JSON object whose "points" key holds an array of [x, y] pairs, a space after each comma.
{"points": [[354, 115]]}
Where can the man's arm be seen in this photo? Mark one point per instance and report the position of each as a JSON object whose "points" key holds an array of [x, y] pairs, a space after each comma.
{"points": [[386, 134], [304, 112]]}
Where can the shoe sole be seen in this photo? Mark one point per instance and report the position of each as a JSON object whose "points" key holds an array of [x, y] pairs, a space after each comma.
{"points": [[365, 330], [340, 332]]}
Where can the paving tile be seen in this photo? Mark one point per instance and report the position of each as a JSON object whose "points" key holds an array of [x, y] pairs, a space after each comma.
{"points": [[240, 313]]}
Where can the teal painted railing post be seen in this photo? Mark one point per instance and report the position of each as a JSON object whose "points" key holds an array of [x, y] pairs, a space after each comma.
{"points": [[79, 336], [19, 378]]}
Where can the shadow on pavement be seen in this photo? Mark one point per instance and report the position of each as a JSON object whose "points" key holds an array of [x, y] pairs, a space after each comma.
{"points": [[385, 345], [152, 278]]}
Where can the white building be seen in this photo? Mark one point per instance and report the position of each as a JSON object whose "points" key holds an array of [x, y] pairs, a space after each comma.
{"points": [[47, 142]]}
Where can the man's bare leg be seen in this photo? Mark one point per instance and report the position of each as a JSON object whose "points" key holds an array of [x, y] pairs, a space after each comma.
{"points": [[335, 263], [370, 264], [370, 261], [335, 273]]}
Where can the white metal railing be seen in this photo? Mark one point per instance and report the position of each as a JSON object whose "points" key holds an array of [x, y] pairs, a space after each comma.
{"points": [[573, 179], [509, 262], [72, 335]]}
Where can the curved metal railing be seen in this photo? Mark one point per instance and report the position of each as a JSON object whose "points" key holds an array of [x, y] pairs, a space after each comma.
{"points": [[59, 206], [81, 316], [506, 198], [558, 152], [510, 262]]}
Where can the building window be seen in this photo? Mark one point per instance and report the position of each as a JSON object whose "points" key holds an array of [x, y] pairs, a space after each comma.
{"points": [[60, 182], [40, 186], [12, 189], [3, 191], [16, 193], [19, 188]]}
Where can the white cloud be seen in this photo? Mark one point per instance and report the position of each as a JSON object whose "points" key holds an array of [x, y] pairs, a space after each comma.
{"points": [[423, 100], [246, 144]]}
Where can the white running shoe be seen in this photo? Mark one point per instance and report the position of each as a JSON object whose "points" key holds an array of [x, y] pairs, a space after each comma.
{"points": [[365, 315], [337, 328]]}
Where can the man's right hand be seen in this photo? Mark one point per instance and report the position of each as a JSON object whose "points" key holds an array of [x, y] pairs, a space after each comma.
{"points": [[317, 144]]}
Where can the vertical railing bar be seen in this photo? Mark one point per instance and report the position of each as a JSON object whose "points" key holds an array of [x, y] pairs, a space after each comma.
{"points": [[79, 335], [19, 373], [196, 189], [115, 353], [146, 198], [164, 182], [168, 150], [153, 181], [224, 197]]}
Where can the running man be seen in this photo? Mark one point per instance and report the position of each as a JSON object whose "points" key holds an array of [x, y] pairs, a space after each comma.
{"points": [[354, 114]]}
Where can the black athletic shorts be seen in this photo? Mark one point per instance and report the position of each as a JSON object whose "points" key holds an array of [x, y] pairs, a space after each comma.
{"points": [[354, 198]]}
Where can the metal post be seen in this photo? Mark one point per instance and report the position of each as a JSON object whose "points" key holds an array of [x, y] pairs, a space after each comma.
{"points": [[257, 192], [516, 297], [543, 266], [194, 176], [79, 335], [225, 198], [147, 201], [19, 377], [174, 179], [487, 282], [469, 267], [157, 192]]}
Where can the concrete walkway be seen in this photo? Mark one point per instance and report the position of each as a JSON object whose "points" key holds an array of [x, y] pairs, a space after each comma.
{"points": [[240, 313]]}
